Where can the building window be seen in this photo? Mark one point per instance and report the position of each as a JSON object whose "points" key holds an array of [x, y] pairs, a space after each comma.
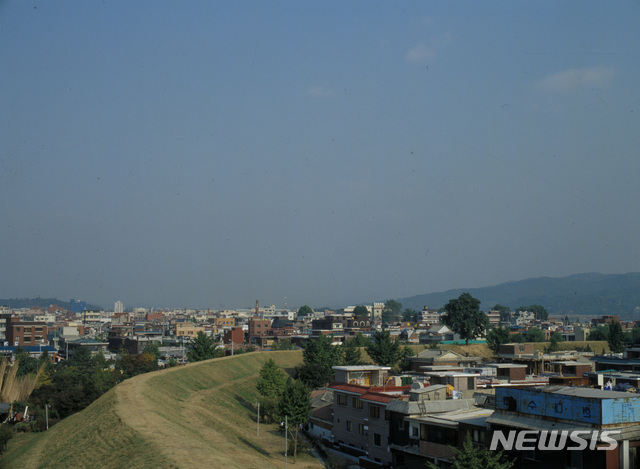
{"points": [[361, 429], [387, 415], [377, 439], [348, 425], [341, 399], [357, 403], [374, 411]]}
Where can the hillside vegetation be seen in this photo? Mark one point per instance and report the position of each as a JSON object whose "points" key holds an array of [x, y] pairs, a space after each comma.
{"points": [[199, 415], [577, 295]]}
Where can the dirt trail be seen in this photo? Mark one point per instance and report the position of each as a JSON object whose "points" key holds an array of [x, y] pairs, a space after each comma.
{"points": [[202, 430]]}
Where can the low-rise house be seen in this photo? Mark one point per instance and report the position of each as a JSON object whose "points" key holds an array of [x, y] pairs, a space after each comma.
{"points": [[439, 357], [437, 333], [360, 423], [409, 447], [565, 409], [461, 385]]}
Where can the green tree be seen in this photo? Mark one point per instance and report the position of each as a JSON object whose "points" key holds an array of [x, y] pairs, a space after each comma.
{"points": [[616, 337], [464, 317], [635, 335], [319, 356], [534, 335], [361, 340], [295, 405], [410, 315], [383, 350], [503, 310], [305, 311], [272, 380], [270, 386], [599, 333], [496, 337], [154, 349], [557, 336], [405, 364], [360, 310], [518, 338], [554, 340], [284, 344], [203, 347], [470, 457], [391, 311], [28, 364], [351, 354]]}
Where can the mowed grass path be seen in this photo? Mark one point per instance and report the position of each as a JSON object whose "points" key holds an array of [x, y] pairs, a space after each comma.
{"points": [[199, 415]]}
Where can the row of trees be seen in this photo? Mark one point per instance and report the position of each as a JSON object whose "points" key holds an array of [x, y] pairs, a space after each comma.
{"points": [[319, 356], [501, 335], [283, 398], [615, 336]]}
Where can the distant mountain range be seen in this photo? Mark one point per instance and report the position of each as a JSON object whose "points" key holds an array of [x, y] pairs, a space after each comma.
{"points": [[590, 294], [18, 303]]}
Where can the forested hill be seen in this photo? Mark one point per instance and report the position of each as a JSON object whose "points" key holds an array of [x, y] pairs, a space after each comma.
{"points": [[18, 303], [582, 294]]}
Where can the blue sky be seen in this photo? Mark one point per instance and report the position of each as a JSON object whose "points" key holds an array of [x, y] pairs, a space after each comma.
{"points": [[198, 154]]}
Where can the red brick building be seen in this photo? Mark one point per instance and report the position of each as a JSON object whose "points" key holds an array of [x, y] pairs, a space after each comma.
{"points": [[235, 335], [26, 333]]}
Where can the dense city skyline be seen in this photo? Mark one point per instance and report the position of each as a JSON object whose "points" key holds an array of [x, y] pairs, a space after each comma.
{"points": [[217, 153]]}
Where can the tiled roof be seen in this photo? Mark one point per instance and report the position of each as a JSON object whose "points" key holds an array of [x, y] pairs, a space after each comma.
{"points": [[376, 397], [352, 388], [323, 413], [373, 393]]}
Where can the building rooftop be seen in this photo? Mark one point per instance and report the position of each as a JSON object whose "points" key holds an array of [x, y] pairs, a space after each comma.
{"points": [[504, 365], [475, 416], [455, 374], [361, 368], [429, 407], [588, 393]]}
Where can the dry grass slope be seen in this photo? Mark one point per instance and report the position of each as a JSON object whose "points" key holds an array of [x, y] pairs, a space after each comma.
{"points": [[200, 415]]}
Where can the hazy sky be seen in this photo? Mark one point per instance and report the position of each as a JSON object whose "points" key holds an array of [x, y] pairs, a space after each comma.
{"points": [[198, 154]]}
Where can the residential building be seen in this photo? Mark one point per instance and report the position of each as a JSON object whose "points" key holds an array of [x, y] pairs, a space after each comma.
{"points": [[188, 329], [430, 317], [556, 409], [233, 336], [25, 333], [376, 311], [429, 357], [360, 426]]}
